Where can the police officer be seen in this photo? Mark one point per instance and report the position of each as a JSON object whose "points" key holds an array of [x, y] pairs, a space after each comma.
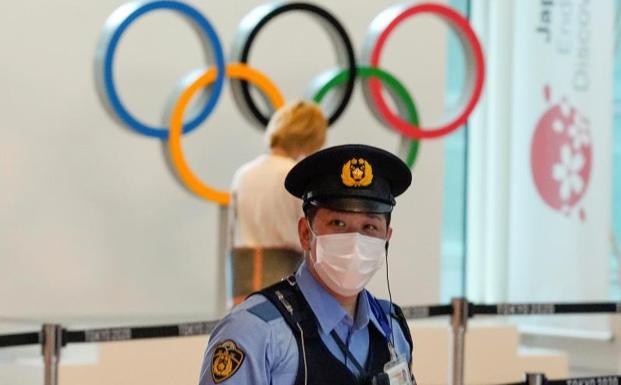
{"points": [[320, 325]]}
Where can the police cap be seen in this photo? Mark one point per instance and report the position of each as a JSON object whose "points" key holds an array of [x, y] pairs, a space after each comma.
{"points": [[352, 177]]}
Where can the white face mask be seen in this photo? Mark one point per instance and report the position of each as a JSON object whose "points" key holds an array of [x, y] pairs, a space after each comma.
{"points": [[346, 262]]}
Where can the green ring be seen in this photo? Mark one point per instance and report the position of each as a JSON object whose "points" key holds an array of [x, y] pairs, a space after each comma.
{"points": [[363, 72]]}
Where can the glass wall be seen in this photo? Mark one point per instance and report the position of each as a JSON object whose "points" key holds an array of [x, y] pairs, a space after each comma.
{"points": [[615, 287], [456, 158], [454, 229]]}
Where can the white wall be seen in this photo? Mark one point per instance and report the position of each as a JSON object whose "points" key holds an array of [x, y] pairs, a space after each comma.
{"points": [[91, 221]]}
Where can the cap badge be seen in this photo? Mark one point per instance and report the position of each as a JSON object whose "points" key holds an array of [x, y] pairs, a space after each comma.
{"points": [[357, 172], [227, 358]]}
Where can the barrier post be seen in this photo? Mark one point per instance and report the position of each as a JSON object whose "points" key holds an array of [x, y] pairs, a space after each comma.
{"points": [[459, 323], [51, 344], [224, 288], [535, 379]]}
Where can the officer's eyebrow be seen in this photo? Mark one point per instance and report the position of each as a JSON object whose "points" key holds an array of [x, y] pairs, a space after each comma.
{"points": [[375, 216]]}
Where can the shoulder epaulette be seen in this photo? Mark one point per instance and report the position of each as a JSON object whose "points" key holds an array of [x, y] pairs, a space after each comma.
{"points": [[265, 310]]}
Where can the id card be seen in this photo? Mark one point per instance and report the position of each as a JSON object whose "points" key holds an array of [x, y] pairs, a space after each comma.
{"points": [[398, 372]]}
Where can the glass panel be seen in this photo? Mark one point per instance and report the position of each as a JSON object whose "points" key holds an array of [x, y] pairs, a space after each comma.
{"points": [[615, 287], [453, 240]]}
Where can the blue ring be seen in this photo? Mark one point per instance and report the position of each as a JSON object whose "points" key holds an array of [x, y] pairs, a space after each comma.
{"points": [[111, 93]]}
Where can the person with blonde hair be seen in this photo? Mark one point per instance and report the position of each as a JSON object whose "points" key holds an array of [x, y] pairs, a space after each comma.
{"points": [[264, 215]]}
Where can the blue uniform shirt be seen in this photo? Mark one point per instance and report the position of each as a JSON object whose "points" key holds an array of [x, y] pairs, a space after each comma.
{"points": [[266, 352]]}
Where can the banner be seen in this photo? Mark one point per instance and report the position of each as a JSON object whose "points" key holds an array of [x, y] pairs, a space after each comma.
{"points": [[560, 192]]}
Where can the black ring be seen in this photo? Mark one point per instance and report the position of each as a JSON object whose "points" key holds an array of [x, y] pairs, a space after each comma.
{"points": [[332, 22]]}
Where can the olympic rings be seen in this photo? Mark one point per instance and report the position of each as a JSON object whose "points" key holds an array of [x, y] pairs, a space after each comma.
{"points": [[241, 71], [398, 91], [113, 29], [238, 71], [340, 80], [383, 24], [258, 18]]}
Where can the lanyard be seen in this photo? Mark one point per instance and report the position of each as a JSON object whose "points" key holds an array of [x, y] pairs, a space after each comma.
{"points": [[348, 353], [381, 317], [386, 326]]}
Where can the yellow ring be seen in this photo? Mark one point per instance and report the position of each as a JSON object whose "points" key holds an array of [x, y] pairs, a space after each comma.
{"points": [[189, 179]]}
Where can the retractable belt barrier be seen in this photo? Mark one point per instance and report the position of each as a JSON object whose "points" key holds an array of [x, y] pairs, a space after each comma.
{"points": [[9, 340], [540, 379], [203, 328], [53, 337], [546, 308], [602, 380]]}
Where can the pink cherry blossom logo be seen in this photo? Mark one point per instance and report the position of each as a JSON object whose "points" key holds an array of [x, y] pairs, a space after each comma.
{"points": [[561, 156]]}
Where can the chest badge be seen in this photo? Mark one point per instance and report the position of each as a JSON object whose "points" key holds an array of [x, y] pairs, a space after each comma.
{"points": [[227, 359], [357, 172]]}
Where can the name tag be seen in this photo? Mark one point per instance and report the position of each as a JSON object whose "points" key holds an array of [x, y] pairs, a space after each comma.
{"points": [[398, 372]]}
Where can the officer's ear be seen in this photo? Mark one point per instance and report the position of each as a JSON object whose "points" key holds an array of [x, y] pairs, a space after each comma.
{"points": [[304, 234]]}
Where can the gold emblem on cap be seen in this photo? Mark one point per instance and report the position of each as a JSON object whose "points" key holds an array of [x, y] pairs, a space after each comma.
{"points": [[227, 358], [357, 172]]}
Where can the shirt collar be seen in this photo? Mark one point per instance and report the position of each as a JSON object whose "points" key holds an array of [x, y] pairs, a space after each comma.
{"points": [[328, 311]]}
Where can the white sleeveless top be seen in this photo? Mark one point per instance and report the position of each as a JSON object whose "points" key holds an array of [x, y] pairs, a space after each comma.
{"points": [[265, 214]]}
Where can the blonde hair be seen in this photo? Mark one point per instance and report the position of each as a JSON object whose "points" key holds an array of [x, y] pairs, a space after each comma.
{"points": [[297, 125]]}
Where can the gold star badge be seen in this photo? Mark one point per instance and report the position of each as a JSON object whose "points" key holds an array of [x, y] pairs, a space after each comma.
{"points": [[227, 358], [357, 172]]}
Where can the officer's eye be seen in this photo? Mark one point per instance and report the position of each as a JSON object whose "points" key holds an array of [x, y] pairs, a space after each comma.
{"points": [[369, 227], [337, 223]]}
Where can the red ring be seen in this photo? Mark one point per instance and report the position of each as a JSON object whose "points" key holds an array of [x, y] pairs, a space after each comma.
{"points": [[463, 28]]}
